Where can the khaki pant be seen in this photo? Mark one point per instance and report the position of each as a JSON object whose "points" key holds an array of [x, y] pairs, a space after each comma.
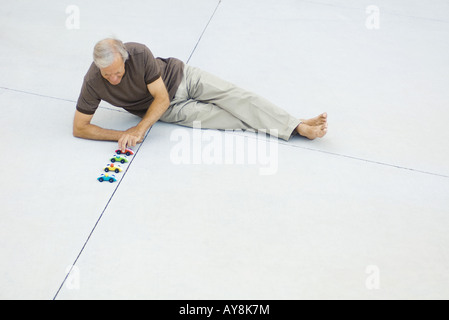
{"points": [[221, 105]]}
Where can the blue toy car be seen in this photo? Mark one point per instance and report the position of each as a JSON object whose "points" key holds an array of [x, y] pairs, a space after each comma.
{"points": [[105, 177]]}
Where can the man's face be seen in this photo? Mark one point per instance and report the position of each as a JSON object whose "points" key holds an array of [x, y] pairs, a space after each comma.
{"points": [[115, 72]]}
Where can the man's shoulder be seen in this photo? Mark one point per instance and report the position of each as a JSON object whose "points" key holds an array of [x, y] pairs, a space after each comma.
{"points": [[134, 48], [93, 74]]}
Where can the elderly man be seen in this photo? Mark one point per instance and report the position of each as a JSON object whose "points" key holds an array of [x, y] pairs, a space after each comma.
{"points": [[128, 76]]}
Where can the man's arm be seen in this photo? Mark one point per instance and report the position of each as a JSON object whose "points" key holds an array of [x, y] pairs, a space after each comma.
{"points": [[82, 128], [157, 108]]}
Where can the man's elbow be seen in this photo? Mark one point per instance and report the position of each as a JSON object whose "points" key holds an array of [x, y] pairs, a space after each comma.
{"points": [[77, 132], [164, 99]]}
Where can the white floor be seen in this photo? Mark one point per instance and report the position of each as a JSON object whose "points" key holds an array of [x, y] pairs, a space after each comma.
{"points": [[360, 214]]}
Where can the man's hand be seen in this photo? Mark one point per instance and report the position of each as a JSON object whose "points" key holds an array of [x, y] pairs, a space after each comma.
{"points": [[130, 138]]}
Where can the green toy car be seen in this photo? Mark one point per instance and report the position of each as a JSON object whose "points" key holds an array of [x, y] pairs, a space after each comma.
{"points": [[119, 158]]}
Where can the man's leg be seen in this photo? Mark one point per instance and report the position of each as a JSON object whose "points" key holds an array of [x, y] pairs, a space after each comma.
{"points": [[252, 109], [185, 112], [219, 104]]}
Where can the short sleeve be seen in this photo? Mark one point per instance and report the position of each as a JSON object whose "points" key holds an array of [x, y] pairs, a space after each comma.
{"points": [[88, 100], [152, 70]]}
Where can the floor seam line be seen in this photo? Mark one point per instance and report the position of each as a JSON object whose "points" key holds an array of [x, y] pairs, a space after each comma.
{"points": [[371, 161], [290, 145], [204, 31], [56, 98], [37, 94], [99, 218]]}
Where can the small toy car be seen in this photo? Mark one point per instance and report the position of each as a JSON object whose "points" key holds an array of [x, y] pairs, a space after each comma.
{"points": [[128, 152], [113, 167], [117, 158], [106, 177]]}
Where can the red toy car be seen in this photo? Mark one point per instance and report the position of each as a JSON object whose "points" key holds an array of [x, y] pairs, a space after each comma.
{"points": [[128, 152]]}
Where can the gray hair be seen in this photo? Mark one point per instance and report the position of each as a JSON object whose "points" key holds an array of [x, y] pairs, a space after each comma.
{"points": [[105, 52]]}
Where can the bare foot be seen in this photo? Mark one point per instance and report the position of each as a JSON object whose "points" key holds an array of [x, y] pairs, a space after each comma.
{"points": [[313, 128], [317, 121]]}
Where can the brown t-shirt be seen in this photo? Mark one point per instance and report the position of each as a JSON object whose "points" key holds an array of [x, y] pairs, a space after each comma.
{"points": [[131, 93]]}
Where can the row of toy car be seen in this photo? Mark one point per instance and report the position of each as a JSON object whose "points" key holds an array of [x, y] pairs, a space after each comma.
{"points": [[119, 157]]}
